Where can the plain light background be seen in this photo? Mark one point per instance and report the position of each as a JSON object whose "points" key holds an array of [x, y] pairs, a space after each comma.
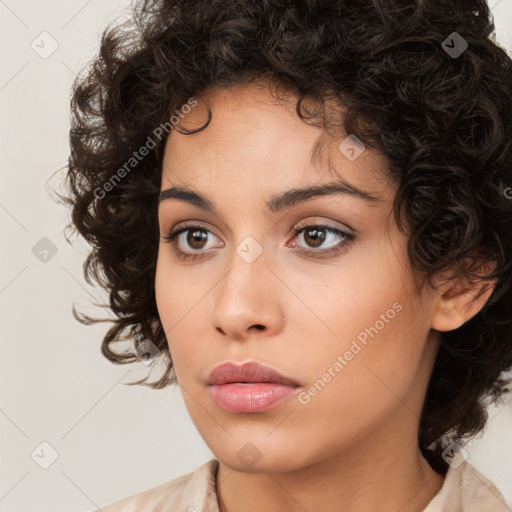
{"points": [[111, 441]]}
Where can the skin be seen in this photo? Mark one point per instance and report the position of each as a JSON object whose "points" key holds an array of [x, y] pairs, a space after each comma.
{"points": [[353, 447]]}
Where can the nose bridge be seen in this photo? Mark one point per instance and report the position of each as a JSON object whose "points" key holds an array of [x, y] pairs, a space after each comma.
{"points": [[244, 297]]}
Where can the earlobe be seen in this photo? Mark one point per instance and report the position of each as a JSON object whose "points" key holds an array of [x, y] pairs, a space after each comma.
{"points": [[459, 300]]}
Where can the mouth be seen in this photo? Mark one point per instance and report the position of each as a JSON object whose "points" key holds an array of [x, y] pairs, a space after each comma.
{"points": [[250, 387]]}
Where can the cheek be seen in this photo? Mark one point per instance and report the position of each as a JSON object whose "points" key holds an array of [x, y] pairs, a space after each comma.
{"points": [[369, 335], [177, 289], [182, 302], [364, 376], [371, 289], [360, 336]]}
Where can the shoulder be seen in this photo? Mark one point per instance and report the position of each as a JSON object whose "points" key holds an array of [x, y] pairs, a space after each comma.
{"points": [[465, 489], [192, 492]]}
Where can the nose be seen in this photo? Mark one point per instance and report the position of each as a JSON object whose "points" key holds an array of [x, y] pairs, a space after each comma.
{"points": [[247, 302]]}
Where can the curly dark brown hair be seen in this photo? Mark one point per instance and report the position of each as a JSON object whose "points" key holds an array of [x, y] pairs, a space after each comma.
{"points": [[440, 111]]}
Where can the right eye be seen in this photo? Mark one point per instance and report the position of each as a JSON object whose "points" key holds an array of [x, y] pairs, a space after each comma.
{"points": [[191, 235]]}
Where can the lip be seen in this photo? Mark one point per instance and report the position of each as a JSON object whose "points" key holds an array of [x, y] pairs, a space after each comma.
{"points": [[250, 387], [247, 372]]}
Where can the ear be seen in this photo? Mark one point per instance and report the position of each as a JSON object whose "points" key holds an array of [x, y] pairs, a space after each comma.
{"points": [[458, 300]]}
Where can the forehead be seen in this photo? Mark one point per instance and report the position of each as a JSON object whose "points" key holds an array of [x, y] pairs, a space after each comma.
{"points": [[254, 137]]}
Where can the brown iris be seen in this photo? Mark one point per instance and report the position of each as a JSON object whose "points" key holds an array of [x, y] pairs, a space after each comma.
{"points": [[196, 237], [318, 236]]}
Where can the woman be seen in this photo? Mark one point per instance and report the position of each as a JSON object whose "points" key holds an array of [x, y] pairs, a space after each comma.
{"points": [[304, 209]]}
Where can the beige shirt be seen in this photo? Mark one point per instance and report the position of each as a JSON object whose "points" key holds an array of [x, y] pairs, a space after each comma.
{"points": [[464, 490]]}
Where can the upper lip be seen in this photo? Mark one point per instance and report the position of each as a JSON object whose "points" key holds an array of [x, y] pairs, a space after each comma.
{"points": [[247, 372]]}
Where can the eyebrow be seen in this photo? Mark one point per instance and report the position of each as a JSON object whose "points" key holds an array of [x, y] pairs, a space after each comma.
{"points": [[278, 202]]}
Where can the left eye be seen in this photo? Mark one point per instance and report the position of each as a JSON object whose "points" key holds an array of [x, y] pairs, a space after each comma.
{"points": [[315, 235]]}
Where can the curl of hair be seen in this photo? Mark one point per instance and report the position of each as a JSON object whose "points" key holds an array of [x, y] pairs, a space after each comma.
{"points": [[445, 124]]}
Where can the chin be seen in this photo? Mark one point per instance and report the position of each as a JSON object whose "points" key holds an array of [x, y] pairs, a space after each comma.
{"points": [[249, 459]]}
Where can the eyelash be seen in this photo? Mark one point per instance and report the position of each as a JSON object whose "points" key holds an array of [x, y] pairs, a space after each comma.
{"points": [[348, 239]]}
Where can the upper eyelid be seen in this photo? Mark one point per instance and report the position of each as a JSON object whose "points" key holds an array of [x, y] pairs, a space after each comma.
{"points": [[323, 219], [191, 225]]}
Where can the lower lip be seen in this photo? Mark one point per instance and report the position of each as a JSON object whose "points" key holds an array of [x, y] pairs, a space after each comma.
{"points": [[250, 397]]}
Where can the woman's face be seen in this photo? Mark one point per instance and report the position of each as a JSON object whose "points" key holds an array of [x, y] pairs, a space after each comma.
{"points": [[342, 317]]}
